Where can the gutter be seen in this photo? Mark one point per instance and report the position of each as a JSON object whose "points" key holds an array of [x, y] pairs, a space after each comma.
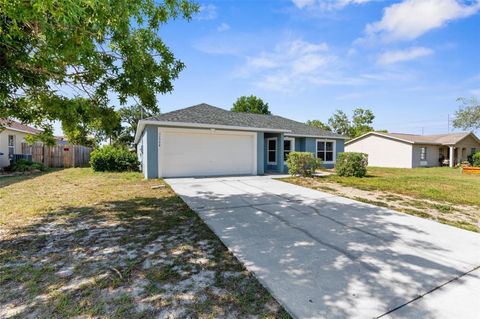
{"points": [[142, 123]]}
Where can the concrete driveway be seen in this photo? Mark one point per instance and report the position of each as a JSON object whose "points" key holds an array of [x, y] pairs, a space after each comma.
{"points": [[324, 256]]}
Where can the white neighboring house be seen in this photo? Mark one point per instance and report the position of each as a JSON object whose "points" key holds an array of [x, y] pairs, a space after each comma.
{"points": [[11, 139], [410, 151]]}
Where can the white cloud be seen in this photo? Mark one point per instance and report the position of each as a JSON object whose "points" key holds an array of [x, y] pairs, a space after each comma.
{"points": [[395, 56], [326, 5], [207, 12], [289, 64], [410, 19], [223, 27]]}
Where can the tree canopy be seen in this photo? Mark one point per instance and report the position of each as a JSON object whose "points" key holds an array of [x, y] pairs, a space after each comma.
{"points": [[56, 54], [250, 104], [319, 124], [360, 123], [468, 115], [129, 117]]}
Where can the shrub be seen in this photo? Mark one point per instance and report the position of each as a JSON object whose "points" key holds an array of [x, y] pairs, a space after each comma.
{"points": [[352, 164], [302, 163], [113, 159], [476, 159], [24, 165]]}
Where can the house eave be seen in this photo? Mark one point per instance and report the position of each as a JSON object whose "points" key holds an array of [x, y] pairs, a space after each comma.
{"points": [[379, 134], [317, 136], [142, 123]]}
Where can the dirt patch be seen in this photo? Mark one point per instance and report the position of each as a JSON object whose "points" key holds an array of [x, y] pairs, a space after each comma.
{"points": [[140, 254], [463, 216]]}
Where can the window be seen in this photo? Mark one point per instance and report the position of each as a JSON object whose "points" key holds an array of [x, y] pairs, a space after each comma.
{"points": [[474, 150], [288, 146], [423, 154], [272, 150], [326, 151], [11, 145]]}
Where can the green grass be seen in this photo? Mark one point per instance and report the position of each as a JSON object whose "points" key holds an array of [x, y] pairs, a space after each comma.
{"points": [[106, 281], [439, 184]]}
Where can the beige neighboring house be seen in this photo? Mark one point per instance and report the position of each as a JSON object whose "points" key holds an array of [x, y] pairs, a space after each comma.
{"points": [[409, 150], [11, 139]]}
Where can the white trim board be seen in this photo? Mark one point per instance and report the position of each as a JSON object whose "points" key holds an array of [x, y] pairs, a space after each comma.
{"points": [[276, 150], [334, 155]]}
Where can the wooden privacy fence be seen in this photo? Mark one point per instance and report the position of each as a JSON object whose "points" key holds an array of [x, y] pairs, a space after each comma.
{"points": [[58, 155]]}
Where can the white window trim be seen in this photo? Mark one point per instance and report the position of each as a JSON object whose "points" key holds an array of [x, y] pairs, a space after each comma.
{"points": [[14, 146], [422, 157], [292, 144], [268, 150], [334, 150]]}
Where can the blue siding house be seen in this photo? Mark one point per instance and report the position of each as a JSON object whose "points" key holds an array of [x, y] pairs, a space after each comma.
{"points": [[204, 140]]}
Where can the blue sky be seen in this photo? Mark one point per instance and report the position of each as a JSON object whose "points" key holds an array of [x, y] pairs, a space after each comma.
{"points": [[408, 61]]}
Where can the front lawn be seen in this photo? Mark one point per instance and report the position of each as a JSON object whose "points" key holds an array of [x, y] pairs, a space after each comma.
{"points": [[437, 183], [442, 193], [74, 243]]}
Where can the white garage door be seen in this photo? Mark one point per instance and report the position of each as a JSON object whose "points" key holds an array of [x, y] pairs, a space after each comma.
{"points": [[200, 152]]}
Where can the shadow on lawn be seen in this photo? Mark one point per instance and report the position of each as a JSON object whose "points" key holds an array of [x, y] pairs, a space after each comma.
{"points": [[330, 258], [7, 180], [121, 259]]}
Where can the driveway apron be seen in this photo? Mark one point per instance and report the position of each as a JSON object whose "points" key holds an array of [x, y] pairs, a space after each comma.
{"points": [[325, 256]]}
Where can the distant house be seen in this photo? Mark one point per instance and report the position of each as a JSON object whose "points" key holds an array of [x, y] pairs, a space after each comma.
{"points": [[12, 137], [409, 150], [204, 140]]}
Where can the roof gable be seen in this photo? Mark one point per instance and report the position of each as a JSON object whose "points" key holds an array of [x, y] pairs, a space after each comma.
{"points": [[437, 139], [17, 126], [211, 115]]}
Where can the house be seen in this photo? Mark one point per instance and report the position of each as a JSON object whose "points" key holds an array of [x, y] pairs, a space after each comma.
{"points": [[12, 136], [204, 140], [409, 150], [11, 139]]}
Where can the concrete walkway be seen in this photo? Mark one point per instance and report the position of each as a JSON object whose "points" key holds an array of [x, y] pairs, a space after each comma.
{"points": [[324, 256]]}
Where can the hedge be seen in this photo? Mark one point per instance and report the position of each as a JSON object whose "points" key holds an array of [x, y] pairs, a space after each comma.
{"points": [[113, 159], [302, 163], [352, 164]]}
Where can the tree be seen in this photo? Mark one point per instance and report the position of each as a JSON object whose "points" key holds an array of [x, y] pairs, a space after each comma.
{"points": [[319, 124], [468, 115], [340, 123], [129, 117], [86, 123], [250, 104], [360, 123], [94, 49]]}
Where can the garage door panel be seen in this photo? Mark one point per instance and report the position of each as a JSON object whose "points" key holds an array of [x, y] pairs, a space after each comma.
{"points": [[203, 153]]}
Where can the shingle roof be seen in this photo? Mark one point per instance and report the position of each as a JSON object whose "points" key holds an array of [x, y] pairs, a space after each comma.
{"points": [[211, 115], [14, 125], [437, 139]]}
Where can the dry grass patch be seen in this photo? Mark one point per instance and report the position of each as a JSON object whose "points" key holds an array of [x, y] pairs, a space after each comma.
{"points": [[78, 243], [462, 215]]}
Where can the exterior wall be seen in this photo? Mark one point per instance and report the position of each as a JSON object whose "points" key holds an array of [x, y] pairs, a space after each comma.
{"points": [[279, 166], [260, 153], [433, 154], [147, 151], [383, 152], [19, 139], [464, 148]]}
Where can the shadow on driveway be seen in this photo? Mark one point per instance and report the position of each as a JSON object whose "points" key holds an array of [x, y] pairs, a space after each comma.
{"points": [[325, 256]]}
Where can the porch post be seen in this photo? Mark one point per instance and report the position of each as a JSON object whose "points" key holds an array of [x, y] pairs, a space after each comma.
{"points": [[452, 148]]}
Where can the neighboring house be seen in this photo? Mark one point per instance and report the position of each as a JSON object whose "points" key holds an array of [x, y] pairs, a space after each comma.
{"points": [[408, 150], [204, 140], [11, 139]]}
